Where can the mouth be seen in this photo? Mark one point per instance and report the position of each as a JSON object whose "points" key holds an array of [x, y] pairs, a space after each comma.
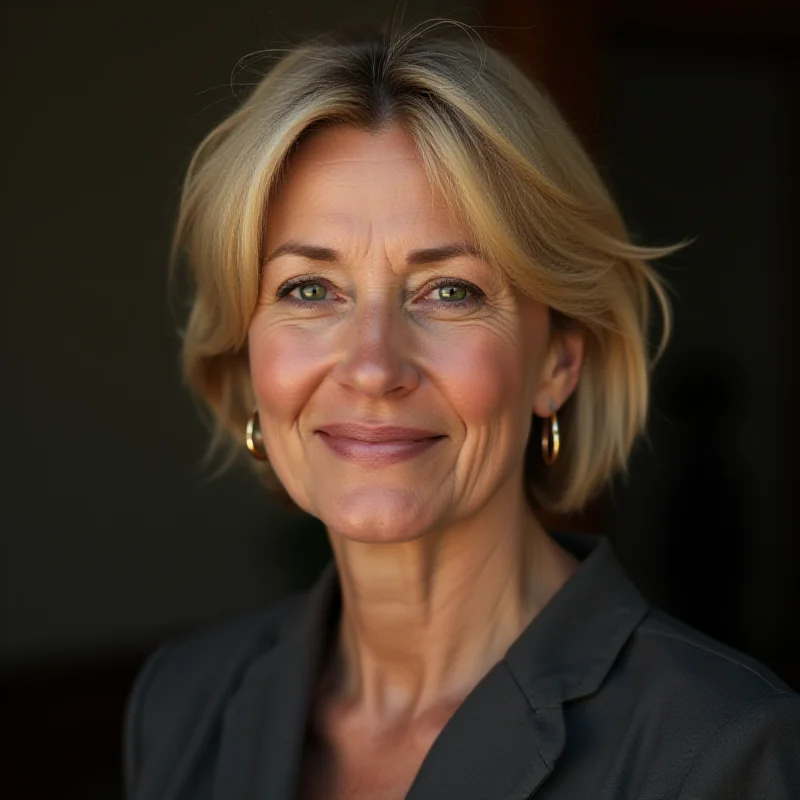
{"points": [[377, 445]]}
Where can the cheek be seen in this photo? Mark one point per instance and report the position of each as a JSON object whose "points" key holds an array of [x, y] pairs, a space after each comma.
{"points": [[483, 374], [285, 365]]}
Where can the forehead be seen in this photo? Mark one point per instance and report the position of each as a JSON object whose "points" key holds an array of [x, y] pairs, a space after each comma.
{"points": [[342, 177], [341, 143]]}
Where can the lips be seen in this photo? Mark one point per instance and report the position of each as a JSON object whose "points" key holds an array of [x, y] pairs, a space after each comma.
{"points": [[376, 445], [382, 433]]}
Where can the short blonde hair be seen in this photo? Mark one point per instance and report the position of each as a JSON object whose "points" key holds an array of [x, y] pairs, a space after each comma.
{"points": [[504, 158]]}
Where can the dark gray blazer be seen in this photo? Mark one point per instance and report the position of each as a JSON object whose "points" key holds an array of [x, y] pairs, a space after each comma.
{"points": [[600, 697]]}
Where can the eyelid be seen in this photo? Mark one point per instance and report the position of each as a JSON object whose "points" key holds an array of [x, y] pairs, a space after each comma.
{"points": [[297, 282], [476, 293]]}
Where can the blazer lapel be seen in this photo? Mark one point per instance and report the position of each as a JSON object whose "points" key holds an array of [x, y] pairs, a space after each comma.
{"points": [[505, 738], [264, 724], [495, 747]]}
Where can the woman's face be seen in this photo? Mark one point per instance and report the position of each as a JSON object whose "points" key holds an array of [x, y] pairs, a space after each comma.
{"points": [[395, 370]]}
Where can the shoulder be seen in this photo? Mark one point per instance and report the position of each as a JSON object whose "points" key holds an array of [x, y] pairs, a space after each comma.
{"points": [[689, 659], [733, 724], [191, 678], [754, 751]]}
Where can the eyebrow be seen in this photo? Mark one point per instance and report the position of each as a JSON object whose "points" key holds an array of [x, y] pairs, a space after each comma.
{"points": [[430, 255], [426, 255], [310, 251]]}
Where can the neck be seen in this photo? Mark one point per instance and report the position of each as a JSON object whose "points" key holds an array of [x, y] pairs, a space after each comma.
{"points": [[424, 620]]}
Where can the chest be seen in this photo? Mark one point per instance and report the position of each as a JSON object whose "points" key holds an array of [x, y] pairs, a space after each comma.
{"points": [[370, 774], [346, 759]]}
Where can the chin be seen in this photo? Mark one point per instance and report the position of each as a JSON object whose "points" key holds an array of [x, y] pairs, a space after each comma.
{"points": [[376, 515]]}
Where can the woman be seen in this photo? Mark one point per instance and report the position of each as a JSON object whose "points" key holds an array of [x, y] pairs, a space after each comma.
{"points": [[418, 308]]}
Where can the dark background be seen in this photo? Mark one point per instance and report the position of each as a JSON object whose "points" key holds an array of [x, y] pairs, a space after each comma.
{"points": [[113, 535]]}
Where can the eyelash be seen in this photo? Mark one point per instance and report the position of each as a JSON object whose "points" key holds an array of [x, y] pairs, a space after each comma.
{"points": [[297, 283], [475, 294]]}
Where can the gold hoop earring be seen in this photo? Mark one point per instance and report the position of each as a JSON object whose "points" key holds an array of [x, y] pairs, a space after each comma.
{"points": [[253, 438], [550, 433]]}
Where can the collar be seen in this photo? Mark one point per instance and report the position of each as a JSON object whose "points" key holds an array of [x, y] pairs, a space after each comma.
{"points": [[569, 648], [506, 736]]}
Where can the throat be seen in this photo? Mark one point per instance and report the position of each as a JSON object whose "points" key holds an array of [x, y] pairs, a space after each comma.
{"points": [[419, 629]]}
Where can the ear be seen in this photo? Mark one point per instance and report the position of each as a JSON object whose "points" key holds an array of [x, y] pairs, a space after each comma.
{"points": [[560, 372]]}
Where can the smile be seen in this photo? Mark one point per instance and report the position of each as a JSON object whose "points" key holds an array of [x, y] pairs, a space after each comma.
{"points": [[376, 446]]}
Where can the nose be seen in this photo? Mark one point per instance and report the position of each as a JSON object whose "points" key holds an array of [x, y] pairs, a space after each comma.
{"points": [[376, 355]]}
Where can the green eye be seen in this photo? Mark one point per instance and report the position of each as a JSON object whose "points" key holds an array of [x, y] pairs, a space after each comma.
{"points": [[453, 293], [313, 291]]}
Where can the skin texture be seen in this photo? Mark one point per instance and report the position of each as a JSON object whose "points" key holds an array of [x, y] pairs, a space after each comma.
{"points": [[441, 562]]}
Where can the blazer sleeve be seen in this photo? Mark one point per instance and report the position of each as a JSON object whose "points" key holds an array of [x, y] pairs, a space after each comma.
{"points": [[753, 757], [132, 738], [179, 696]]}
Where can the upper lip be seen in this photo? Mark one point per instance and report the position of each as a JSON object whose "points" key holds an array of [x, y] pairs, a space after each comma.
{"points": [[376, 433]]}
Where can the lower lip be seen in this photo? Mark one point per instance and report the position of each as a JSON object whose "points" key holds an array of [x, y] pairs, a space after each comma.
{"points": [[377, 454]]}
